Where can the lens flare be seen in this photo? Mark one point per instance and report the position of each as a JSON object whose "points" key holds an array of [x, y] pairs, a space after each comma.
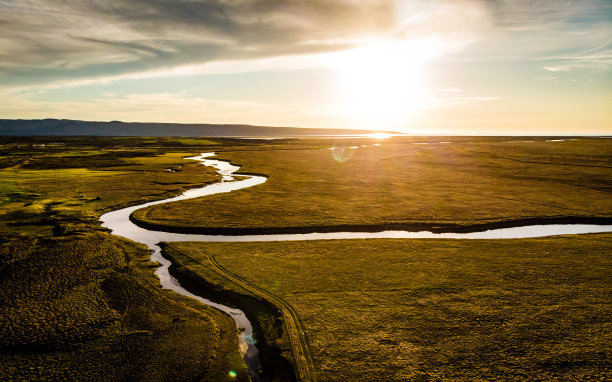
{"points": [[343, 149]]}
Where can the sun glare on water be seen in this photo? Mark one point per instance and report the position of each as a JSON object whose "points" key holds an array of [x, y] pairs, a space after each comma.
{"points": [[379, 135], [383, 81]]}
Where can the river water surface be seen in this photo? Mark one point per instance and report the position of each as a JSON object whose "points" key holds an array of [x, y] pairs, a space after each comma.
{"points": [[119, 223]]}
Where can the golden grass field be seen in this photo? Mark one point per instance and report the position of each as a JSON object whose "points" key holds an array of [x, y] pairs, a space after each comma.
{"points": [[78, 303], [400, 183], [437, 309]]}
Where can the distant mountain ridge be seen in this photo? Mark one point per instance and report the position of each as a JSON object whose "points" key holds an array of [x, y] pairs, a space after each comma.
{"points": [[67, 127]]}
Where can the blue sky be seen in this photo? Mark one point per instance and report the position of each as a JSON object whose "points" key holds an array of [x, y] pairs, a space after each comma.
{"points": [[423, 67]]}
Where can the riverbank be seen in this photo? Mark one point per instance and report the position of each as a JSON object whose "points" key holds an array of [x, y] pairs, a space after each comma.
{"points": [[119, 224], [434, 227], [237, 291], [459, 186], [48, 207], [81, 304], [269, 328], [396, 310]]}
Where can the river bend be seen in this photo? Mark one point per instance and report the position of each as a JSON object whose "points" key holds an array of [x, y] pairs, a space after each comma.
{"points": [[119, 223]]}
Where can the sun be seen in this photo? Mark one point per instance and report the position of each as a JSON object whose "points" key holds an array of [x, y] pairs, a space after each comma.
{"points": [[383, 81]]}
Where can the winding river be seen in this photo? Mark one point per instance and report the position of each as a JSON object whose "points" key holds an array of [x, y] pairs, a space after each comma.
{"points": [[119, 223]]}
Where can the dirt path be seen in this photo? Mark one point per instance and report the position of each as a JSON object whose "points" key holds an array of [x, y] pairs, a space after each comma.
{"points": [[293, 325]]}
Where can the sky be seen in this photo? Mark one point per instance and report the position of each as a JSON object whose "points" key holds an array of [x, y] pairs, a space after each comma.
{"points": [[498, 67]]}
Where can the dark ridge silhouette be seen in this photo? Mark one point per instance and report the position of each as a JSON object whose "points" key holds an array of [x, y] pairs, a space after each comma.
{"points": [[67, 127]]}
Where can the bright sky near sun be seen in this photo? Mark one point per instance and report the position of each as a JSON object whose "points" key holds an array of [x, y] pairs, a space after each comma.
{"points": [[417, 66]]}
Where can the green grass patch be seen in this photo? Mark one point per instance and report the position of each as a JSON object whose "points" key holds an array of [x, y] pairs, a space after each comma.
{"points": [[88, 307], [193, 141], [80, 304], [167, 159], [90, 192], [8, 189]]}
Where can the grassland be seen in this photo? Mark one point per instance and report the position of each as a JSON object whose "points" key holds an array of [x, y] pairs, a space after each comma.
{"points": [[398, 310], [273, 333], [77, 303], [403, 184], [534, 309]]}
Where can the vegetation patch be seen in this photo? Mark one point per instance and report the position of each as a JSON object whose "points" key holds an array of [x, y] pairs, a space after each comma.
{"points": [[529, 309], [105, 159], [269, 329], [80, 304], [471, 181]]}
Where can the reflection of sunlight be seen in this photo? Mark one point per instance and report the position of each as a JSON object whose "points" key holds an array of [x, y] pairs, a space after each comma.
{"points": [[383, 81], [379, 135]]}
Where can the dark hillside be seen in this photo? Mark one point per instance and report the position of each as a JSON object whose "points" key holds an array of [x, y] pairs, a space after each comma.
{"points": [[58, 127]]}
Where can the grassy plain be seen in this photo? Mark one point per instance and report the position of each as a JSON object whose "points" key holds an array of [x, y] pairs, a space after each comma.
{"points": [[534, 309], [404, 182], [419, 310], [77, 303]]}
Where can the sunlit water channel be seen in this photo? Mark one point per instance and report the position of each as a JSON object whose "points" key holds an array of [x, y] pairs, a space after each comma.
{"points": [[119, 223]]}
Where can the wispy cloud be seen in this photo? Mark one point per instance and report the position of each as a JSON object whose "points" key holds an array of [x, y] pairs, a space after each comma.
{"points": [[558, 68], [454, 96], [54, 52], [46, 40], [601, 60], [539, 30]]}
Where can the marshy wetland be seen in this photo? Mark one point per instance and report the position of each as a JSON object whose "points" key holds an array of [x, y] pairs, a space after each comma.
{"points": [[380, 309]]}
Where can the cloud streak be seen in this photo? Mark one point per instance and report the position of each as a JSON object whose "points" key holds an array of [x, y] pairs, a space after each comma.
{"points": [[46, 40], [537, 30], [59, 57]]}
